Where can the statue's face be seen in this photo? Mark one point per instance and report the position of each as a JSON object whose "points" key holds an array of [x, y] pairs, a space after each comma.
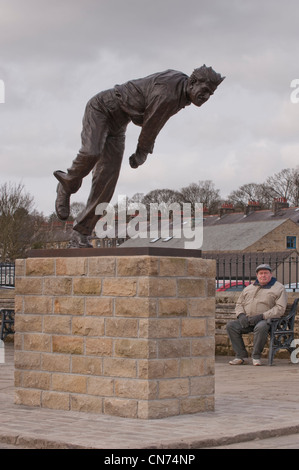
{"points": [[200, 92]]}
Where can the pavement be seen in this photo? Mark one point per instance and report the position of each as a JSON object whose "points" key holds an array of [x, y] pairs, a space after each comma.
{"points": [[250, 403]]}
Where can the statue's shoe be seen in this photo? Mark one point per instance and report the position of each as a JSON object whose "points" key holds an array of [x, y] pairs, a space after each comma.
{"points": [[62, 204], [79, 241]]}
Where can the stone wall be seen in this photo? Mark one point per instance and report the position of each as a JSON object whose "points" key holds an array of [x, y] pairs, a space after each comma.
{"points": [[126, 336]]}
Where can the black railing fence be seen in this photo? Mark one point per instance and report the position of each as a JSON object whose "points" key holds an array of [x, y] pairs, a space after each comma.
{"points": [[239, 270], [7, 274]]}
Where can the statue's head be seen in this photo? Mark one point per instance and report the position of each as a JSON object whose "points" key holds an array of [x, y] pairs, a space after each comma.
{"points": [[202, 84]]}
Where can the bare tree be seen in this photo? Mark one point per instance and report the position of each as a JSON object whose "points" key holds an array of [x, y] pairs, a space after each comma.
{"points": [[284, 184], [250, 192], [19, 225], [204, 192]]}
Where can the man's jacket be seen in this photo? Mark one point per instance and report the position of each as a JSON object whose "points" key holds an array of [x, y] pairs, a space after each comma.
{"points": [[270, 300]]}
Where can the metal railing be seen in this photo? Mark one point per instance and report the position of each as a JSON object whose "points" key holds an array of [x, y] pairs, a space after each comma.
{"points": [[239, 270], [7, 274]]}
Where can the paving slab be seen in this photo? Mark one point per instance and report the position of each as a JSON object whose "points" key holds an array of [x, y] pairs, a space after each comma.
{"points": [[250, 403]]}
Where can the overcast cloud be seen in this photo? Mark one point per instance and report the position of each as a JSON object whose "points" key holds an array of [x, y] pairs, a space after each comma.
{"points": [[55, 55]]}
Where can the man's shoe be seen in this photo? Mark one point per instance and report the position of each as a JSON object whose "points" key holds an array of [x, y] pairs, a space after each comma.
{"points": [[237, 362], [62, 204], [256, 362]]}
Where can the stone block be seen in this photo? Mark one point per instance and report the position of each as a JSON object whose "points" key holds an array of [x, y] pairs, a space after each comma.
{"points": [[67, 344], [126, 336]]}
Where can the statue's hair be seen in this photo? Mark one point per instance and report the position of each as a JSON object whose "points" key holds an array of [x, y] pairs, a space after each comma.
{"points": [[206, 74]]}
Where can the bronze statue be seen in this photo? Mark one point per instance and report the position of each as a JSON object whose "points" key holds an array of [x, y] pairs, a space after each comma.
{"points": [[148, 102]]}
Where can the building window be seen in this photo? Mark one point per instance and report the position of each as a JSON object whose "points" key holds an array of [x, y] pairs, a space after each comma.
{"points": [[291, 242]]}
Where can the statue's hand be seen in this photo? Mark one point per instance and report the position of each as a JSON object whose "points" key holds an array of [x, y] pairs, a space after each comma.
{"points": [[132, 160], [137, 159]]}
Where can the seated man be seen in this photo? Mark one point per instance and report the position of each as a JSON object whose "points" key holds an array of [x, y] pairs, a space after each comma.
{"points": [[264, 299]]}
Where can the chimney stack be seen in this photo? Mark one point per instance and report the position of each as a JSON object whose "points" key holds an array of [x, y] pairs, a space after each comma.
{"points": [[226, 208], [252, 206], [279, 203]]}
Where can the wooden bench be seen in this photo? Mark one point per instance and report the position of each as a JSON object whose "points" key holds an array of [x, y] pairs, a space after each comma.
{"points": [[281, 333], [7, 322]]}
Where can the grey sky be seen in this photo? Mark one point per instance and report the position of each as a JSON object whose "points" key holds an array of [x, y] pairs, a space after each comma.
{"points": [[55, 55]]}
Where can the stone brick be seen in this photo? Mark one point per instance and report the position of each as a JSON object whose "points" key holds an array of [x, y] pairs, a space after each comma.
{"points": [[34, 379], [18, 376], [87, 365], [121, 327], [201, 268], [19, 301], [137, 266], [193, 327], [135, 307], [98, 306], [157, 287], [28, 397], [29, 323], [88, 326], [159, 328], [173, 388], [99, 346], [204, 346], [101, 266], [57, 286], [57, 324], [87, 286], [55, 362], [158, 368], [37, 342], [69, 383], [192, 405], [173, 307], [55, 400], [126, 287], [191, 287], [135, 348], [174, 348], [172, 266], [85, 403], [20, 267], [28, 286], [158, 409], [67, 344], [40, 267], [71, 266], [211, 288], [37, 304], [203, 307], [138, 389], [192, 366], [119, 367], [27, 360], [101, 386], [69, 305], [120, 407]]}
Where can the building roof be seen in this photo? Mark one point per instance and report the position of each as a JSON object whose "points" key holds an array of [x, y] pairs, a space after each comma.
{"points": [[236, 237], [254, 216]]}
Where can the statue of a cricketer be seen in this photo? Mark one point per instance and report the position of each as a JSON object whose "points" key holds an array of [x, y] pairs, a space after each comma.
{"points": [[148, 102]]}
